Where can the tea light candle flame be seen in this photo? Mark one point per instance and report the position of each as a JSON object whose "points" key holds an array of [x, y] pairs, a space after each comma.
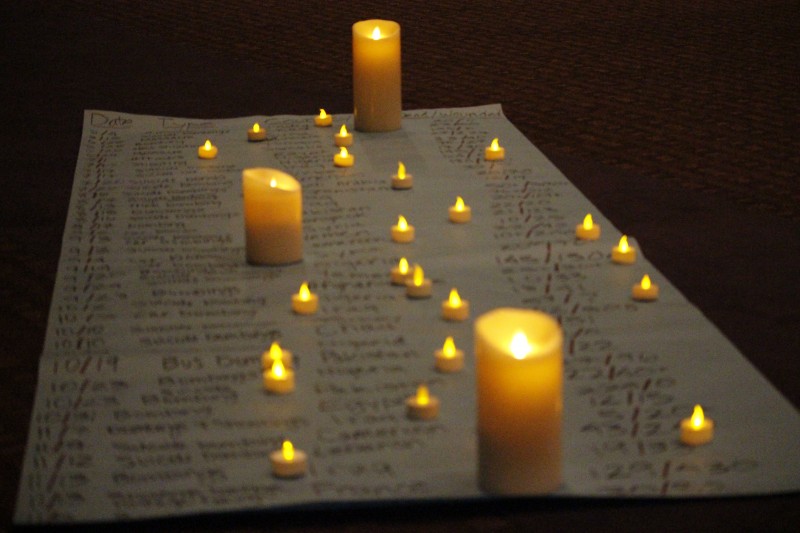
{"points": [[698, 418], [275, 352], [256, 128], [288, 450], [402, 223], [423, 395], [401, 170], [278, 370], [304, 294], [495, 146], [588, 223], [419, 276], [459, 205], [449, 348], [402, 266], [645, 283], [343, 130], [343, 151], [520, 347], [322, 114], [623, 244], [455, 299]]}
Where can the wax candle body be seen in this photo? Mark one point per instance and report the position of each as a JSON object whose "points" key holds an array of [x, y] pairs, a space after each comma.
{"points": [[519, 402], [343, 138], [273, 217], [256, 133], [288, 463], [377, 93]]}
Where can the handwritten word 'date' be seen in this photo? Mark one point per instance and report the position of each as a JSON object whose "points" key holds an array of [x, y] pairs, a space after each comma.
{"points": [[101, 119]]}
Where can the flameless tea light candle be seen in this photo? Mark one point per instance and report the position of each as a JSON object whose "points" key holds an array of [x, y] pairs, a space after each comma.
{"points": [[697, 429], [459, 213], [400, 273], [343, 158], [588, 231], [495, 152], [623, 254], [454, 308], [273, 216], [279, 379], [422, 405], [288, 462], [402, 232], [645, 290], [305, 302], [401, 180], [275, 353], [377, 94], [343, 138], [449, 358], [418, 286], [207, 150], [323, 120], [519, 371], [256, 133]]}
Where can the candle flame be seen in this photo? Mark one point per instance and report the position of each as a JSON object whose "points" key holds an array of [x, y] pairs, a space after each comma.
{"points": [[273, 183], [419, 276], [588, 223], [520, 347], [322, 113], [278, 370], [402, 223], [449, 347], [423, 396], [287, 450], [401, 171], [207, 145], [343, 151], [698, 418], [459, 206], [275, 352], [646, 282], [495, 144], [343, 130], [455, 299], [623, 244], [376, 33], [256, 128], [304, 294], [402, 266]]}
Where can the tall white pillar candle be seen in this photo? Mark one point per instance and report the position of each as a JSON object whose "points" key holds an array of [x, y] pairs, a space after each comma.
{"points": [[273, 216], [377, 93], [519, 367]]}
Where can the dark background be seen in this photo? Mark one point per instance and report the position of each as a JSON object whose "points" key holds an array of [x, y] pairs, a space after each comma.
{"points": [[679, 120]]}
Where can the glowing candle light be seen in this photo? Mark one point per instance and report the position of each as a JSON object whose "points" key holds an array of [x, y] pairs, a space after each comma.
{"points": [[449, 358], [377, 94], [343, 138], [519, 371], [454, 308], [588, 231], [645, 290], [323, 120], [400, 273], [402, 232], [402, 180], [495, 152], [275, 353], [422, 405], [207, 150], [418, 286], [288, 461], [343, 158], [623, 254], [273, 216], [305, 302], [256, 133], [279, 379], [697, 429], [459, 213]]}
